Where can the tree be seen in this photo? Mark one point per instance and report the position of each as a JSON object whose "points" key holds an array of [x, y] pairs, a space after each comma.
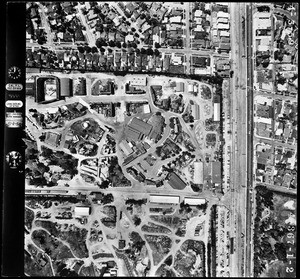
{"points": [[153, 21], [94, 49], [265, 63], [156, 52], [73, 150], [47, 152], [137, 221], [110, 50], [143, 51], [124, 45], [112, 44], [40, 41], [99, 43], [157, 45], [104, 184], [42, 137], [118, 44], [149, 51], [87, 49]]}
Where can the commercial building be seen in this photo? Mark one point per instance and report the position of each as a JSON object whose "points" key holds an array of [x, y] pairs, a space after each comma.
{"points": [[198, 172], [137, 128], [175, 181], [194, 201], [216, 111], [132, 134], [164, 199], [157, 122], [81, 211]]}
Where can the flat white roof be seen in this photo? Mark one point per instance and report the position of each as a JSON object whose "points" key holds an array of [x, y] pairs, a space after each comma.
{"points": [[263, 120], [164, 199], [222, 14], [194, 201], [82, 211], [216, 112]]}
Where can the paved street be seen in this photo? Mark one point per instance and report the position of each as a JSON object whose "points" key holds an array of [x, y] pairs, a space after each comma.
{"points": [[239, 133]]}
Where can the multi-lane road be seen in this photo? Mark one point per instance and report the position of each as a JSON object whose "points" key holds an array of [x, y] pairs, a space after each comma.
{"points": [[242, 133]]}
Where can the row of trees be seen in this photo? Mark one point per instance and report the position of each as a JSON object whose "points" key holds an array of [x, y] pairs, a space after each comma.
{"points": [[131, 48]]}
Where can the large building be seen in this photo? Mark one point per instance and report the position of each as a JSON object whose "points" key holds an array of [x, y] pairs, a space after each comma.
{"points": [[157, 122], [194, 201], [132, 134], [140, 126], [82, 211], [137, 129], [175, 181], [164, 199]]}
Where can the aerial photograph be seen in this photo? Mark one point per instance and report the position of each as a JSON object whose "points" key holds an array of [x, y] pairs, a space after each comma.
{"points": [[161, 139]]}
